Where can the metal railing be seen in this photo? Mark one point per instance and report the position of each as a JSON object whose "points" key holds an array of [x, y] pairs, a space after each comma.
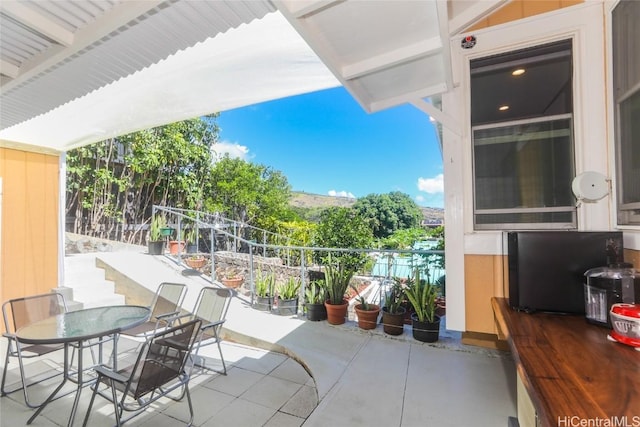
{"points": [[214, 232]]}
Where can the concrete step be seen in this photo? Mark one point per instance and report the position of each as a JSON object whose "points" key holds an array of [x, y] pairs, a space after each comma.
{"points": [[86, 282]]}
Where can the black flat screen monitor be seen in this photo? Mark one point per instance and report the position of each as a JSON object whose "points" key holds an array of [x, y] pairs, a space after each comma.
{"points": [[546, 268]]}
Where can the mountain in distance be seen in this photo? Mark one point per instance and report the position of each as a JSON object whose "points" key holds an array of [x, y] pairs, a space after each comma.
{"points": [[308, 200]]}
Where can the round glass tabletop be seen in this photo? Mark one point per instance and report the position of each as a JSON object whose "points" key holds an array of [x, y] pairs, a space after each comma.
{"points": [[83, 324]]}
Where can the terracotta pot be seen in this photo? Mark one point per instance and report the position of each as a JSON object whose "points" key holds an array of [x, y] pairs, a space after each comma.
{"points": [[336, 313], [175, 247], [393, 323], [195, 263], [367, 319], [232, 283]]}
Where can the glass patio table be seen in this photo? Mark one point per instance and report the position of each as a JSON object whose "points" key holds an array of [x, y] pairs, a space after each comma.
{"points": [[78, 327]]}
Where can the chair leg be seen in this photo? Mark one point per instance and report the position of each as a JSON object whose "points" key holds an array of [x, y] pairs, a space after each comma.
{"points": [[4, 372], [93, 397], [224, 367], [190, 423], [23, 378]]}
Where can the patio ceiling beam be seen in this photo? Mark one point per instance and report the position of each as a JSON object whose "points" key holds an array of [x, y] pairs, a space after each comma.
{"points": [[9, 69], [402, 98], [392, 58], [303, 9], [446, 120], [37, 22]]}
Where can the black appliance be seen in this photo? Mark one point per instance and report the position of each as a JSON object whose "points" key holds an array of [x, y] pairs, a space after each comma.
{"points": [[546, 268], [609, 285]]}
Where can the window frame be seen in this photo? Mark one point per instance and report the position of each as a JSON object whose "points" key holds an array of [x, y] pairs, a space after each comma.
{"points": [[628, 214], [528, 225]]}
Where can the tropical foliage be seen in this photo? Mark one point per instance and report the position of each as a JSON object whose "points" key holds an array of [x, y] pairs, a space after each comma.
{"points": [[389, 212], [316, 292], [337, 278], [342, 228], [246, 192], [289, 288], [423, 297], [112, 185], [264, 283]]}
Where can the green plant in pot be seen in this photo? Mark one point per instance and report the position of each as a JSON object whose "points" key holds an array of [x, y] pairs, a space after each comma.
{"points": [[288, 296], [423, 298], [156, 241], [315, 296], [367, 312], [393, 312], [337, 278], [264, 286], [191, 239]]}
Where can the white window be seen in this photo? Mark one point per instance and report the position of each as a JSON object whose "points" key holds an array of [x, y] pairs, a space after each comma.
{"points": [[626, 80], [522, 127]]}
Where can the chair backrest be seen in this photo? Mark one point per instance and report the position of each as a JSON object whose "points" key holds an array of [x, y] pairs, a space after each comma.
{"points": [[162, 358], [168, 298], [212, 304], [20, 312]]}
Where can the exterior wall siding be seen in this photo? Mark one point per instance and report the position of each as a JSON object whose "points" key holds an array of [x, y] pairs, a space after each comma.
{"points": [[518, 9], [29, 252]]}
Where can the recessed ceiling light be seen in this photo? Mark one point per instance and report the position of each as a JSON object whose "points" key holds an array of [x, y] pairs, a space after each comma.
{"points": [[518, 72], [503, 108]]}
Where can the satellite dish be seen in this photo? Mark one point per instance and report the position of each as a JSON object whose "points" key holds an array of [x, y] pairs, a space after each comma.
{"points": [[590, 186]]}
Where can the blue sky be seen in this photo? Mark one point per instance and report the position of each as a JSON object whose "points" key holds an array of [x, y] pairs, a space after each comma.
{"points": [[325, 143]]}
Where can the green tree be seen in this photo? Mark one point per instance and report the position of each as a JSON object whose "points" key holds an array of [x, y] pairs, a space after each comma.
{"points": [[389, 212], [112, 185], [404, 238], [248, 193], [342, 228]]}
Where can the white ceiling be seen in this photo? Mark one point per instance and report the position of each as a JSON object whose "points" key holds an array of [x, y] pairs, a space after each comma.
{"points": [[79, 71]]}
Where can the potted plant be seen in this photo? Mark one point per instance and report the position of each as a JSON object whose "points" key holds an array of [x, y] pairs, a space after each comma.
{"points": [[337, 278], [367, 313], [231, 278], [315, 295], [191, 240], [264, 284], [393, 311], [195, 261], [156, 242], [423, 297], [288, 296]]}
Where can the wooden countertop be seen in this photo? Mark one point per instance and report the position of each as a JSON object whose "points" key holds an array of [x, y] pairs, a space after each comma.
{"points": [[569, 368]]}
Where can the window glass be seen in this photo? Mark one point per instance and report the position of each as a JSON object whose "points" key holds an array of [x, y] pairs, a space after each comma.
{"points": [[523, 139]]}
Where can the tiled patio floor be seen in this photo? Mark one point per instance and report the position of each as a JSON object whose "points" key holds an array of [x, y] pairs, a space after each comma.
{"points": [[359, 377], [261, 388]]}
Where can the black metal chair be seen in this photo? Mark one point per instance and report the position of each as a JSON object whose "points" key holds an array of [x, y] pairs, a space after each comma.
{"points": [[20, 312], [159, 369], [164, 307]]}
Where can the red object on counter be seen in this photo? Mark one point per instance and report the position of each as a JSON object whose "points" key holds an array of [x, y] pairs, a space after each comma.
{"points": [[625, 319]]}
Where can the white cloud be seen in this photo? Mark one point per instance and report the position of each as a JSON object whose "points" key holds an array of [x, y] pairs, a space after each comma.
{"points": [[342, 193], [420, 199], [431, 185], [235, 150]]}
